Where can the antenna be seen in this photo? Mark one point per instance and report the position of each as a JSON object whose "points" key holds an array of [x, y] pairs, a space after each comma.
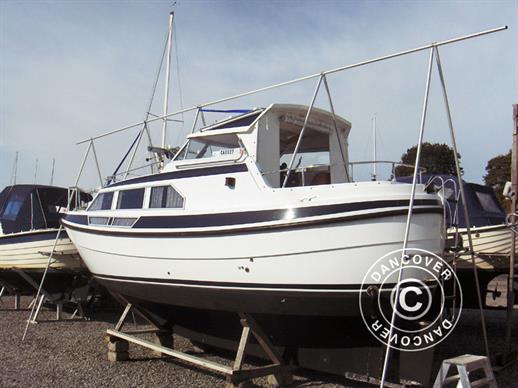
{"points": [[167, 77], [374, 175], [15, 170], [36, 171], [52, 171]]}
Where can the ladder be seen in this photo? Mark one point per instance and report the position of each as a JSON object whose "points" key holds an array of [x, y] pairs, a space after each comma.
{"points": [[465, 364]]}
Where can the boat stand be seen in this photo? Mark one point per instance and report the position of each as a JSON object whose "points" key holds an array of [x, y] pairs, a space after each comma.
{"points": [[45, 296], [278, 372], [17, 300], [78, 313]]}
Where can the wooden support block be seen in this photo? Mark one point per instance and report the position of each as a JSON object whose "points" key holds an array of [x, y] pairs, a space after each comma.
{"points": [[59, 311], [16, 301], [118, 346], [118, 356], [282, 379], [164, 339], [117, 349]]}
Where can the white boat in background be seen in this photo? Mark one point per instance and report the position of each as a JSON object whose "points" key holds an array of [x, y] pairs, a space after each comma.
{"points": [[491, 240], [490, 234], [29, 223], [216, 229]]}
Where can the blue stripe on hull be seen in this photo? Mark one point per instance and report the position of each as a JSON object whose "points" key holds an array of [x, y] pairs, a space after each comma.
{"points": [[17, 238], [258, 216]]}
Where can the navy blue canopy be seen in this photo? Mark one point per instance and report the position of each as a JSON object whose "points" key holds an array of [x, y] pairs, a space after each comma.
{"points": [[32, 207], [483, 206]]}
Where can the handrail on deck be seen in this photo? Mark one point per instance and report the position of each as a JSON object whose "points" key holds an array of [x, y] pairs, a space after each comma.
{"points": [[305, 169]]}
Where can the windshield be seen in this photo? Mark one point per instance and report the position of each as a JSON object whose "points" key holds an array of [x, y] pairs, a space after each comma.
{"points": [[209, 147]]}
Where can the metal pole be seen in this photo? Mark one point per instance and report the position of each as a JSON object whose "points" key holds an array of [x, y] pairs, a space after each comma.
{"points": [[338, 69], [336, 128], [167, 78], [374, 175], [203, 119], [43, 279], [463, 198], [299, 140], [83, 164], [195, 120], [52, 171], [97, 163], [130, 163], [512, 258], [409, 215], [150, 144], [15, 169], [36, 171]]}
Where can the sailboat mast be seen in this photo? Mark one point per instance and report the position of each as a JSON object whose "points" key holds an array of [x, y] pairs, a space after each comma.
{"points": [[374, 175], [36, 171], [15, 169], [52, 171], [167, 77]]}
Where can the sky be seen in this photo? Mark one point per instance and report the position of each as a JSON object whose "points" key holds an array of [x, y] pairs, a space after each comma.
{"points": [[71, 70]]}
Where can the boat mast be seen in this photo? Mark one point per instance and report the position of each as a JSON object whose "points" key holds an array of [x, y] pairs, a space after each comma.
{"points": [[374, 175], [167, 77], [52, 171], [36, 171], [15, 169]]}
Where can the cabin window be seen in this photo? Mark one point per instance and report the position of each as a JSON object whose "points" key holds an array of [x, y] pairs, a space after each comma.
{"points": [[487, 202], [123, 221], [98, 220], [103, 201], [210, 147], [13, 207], [165, 197], [312, 163], [321, 157], [130, 199]]}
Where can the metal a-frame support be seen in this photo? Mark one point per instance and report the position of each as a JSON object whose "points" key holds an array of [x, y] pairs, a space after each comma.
{"points": [[16, 295], [277, 371], [44, 295]]}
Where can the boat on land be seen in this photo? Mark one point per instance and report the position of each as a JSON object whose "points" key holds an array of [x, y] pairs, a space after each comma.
{"points": [[29, 225], [258, 214], [491, 236], [222, 228]]}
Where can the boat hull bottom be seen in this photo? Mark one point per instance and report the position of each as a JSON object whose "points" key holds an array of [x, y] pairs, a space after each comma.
{"points": [[257, 301], [491, 288], [57, 281]]}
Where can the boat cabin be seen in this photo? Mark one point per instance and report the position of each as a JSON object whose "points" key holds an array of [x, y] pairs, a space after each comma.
{"points": [[269, 137], [483, 206], [33, 207]]}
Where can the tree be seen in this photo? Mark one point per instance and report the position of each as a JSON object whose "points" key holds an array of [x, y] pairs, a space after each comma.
{"points": [[436, 158], [498, 172]]}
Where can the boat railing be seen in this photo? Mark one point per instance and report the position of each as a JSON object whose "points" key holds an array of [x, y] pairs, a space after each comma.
{"points": [[394, 166], [128, 173], [510, 221], [451, 216], [74, 199], [303, 172]]}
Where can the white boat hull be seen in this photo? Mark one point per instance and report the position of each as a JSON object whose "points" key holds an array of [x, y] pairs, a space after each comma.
{"points": [[324, 259], [24, 256], [491, 244]]}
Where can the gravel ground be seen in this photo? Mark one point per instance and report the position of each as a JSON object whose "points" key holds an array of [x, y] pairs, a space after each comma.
{"points": [[73, 354]]}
